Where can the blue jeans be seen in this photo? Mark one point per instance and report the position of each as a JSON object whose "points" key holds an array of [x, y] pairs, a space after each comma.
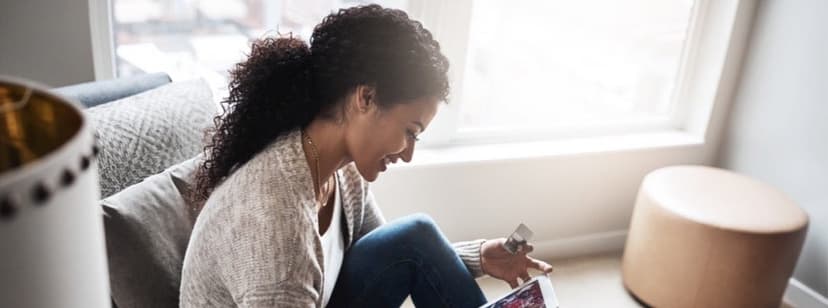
{"points": [[408, 256]]}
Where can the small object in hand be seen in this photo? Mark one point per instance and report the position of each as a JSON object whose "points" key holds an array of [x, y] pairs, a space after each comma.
{"points": [[518, 238]]}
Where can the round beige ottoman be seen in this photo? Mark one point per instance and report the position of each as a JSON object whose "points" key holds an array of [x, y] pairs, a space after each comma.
{"points": [[706, 237]]}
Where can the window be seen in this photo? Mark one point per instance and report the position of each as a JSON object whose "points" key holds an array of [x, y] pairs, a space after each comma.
{"points": [[205, 38], [540, 66], [521, 70]]}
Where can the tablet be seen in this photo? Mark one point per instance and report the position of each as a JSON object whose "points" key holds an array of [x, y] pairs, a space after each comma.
{"points": [[537, 293]]}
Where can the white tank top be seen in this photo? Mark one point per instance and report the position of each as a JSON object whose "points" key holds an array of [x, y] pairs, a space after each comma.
{"points": [[333, 247]]}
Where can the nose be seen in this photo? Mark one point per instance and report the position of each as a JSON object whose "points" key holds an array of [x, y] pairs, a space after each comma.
{"points": [[408, 152]]}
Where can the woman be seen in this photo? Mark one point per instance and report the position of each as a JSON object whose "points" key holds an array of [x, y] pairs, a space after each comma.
{"points": [[289, 220]]}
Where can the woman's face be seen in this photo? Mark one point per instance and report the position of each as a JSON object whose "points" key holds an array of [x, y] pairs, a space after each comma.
{"points": [[376, 137]]}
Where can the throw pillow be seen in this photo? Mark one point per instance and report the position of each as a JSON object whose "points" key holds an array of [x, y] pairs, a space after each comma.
{"points": [[147, 228], [142, 135]]}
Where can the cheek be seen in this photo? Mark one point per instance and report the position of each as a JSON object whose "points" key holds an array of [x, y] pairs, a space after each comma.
{"points": [[380, 143], [365, 153], [393, 141], [371, 141], [379, 138], [362, 142]]}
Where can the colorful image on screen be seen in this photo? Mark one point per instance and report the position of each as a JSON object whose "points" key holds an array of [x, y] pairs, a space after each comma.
{"points": [[528, 296]]}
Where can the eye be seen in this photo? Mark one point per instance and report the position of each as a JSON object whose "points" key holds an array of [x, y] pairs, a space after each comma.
{"points": [[412, 136]]}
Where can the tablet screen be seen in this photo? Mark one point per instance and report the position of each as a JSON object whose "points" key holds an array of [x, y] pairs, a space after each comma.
{"points": [[528, 296]]}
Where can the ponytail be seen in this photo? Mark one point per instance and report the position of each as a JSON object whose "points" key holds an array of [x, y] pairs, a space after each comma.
{"points": [[270, 95]]}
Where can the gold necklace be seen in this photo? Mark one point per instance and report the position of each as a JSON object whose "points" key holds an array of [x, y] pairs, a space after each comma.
{"points": [[315, 154]]}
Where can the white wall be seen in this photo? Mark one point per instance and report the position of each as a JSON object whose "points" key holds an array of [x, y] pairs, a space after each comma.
{"points": [[46, 41], [778, 130], [561, 197]]}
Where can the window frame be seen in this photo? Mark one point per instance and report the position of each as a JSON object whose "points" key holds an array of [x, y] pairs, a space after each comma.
{"points": [[102, 39]]}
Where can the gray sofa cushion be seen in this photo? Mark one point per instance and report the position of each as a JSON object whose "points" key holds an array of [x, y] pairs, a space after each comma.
{"points": [[141, 135], [148, 227], [99, 92]]}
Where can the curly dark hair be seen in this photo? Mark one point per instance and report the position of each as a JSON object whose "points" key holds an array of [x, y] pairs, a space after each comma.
{"points": [[284, 84]]}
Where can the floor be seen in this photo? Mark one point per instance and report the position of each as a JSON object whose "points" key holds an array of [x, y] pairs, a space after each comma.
{"points": [[591, 281]]}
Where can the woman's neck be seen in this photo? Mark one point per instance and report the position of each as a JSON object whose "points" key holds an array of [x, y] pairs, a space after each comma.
{"points": [[329, 140]]}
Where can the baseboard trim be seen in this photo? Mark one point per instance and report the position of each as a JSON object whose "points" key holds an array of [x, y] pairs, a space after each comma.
{"points": [[799, 295]]}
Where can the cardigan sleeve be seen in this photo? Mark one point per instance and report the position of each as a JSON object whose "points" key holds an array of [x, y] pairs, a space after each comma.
{"points": [[372, 217]]}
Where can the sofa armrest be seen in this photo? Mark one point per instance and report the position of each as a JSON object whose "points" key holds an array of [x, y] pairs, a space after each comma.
{"points": [[99, 92]]}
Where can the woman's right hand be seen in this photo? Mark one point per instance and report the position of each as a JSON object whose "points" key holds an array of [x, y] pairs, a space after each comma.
{"points": [[499, 263]]}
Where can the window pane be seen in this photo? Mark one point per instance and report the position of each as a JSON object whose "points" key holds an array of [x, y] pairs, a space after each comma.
{"points": [[533, 65], [205, 38]]}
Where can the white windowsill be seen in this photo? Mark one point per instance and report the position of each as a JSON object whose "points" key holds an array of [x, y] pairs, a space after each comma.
{"points": [[470, 154]]}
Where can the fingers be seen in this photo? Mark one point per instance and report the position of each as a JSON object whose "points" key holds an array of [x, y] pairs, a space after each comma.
{"points": [[525, 277], [540, 265], [526, 248]]}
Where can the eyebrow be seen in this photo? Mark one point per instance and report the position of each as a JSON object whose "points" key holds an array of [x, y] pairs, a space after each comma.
{"points": [[420, 125]]}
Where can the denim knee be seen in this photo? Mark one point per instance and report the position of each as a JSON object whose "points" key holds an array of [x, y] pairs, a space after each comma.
{"points": [[420, 229]]}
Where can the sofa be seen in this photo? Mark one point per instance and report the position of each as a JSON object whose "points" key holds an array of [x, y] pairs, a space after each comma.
{"points": [[150, 132], [91, 94]]}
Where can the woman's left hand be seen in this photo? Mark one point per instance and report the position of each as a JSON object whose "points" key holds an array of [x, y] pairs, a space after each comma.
{"points": [[497, 262]]}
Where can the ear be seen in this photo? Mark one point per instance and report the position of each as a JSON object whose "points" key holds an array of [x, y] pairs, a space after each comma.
{"points": [[366, 98]]}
